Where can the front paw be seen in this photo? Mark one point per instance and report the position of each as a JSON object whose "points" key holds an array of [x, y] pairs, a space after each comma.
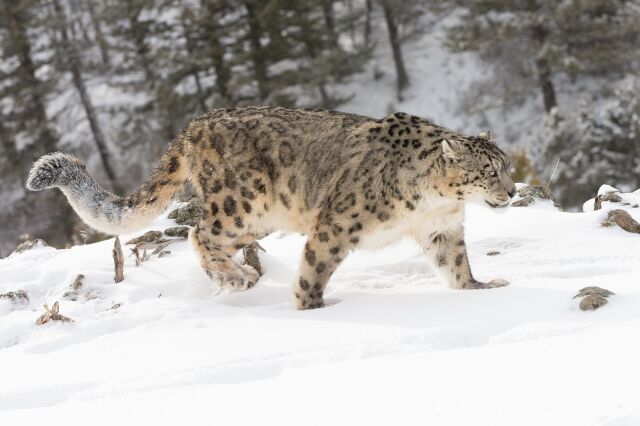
{"points": [[477, 285], [303, 304]]}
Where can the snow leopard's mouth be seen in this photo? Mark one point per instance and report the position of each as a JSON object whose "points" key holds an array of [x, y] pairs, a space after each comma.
{"points": [[497, 206]]}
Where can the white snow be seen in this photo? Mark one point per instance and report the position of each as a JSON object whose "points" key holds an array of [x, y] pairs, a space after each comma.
{"points": [[604, 189], [395, 346]]}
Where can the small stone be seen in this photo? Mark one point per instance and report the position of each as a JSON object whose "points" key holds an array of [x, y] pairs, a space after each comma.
{"points": [[75, 287], [78, 282], [71, 295], [536, 191], [82, 235], [523, 202], [530, 193], [177, 231], [612, 197], [593, 302], [30, 244], [148, 237], [189, 214], [593, 290], [19, 296], [91, 294], [493, 253]]}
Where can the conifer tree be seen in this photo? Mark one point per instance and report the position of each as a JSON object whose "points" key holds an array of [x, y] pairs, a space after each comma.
{"points": [[531, 45], [597, 143], [27, 120]]}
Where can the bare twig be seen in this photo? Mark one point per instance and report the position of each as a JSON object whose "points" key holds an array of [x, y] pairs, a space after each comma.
{"points": [[52, 314], [135, 252], [118, 261], [160, 248], [553, 173], [154, 245], [251, 258], [139, 252]]}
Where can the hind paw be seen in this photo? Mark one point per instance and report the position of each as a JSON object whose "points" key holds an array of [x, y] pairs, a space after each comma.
{"points": [[239, 279]]}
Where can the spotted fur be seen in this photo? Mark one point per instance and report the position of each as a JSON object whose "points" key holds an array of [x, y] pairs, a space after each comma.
{"points": [[345, 180]]}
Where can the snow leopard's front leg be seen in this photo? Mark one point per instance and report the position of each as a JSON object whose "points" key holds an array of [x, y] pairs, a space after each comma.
{"points": [[447, 251]]}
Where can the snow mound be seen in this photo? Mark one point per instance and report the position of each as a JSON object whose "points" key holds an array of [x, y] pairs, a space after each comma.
{"points": [[395, 346]]}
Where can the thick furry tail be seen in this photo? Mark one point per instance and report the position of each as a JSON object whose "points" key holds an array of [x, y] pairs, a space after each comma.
{"points": [[101, 209]]}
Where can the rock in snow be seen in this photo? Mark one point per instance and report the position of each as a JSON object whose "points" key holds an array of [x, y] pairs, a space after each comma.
{"points": [[593, 297], [147, 237], [592, 302], [529, 194], [189, 214], [177, 231], [28, 245], [623, 219]]}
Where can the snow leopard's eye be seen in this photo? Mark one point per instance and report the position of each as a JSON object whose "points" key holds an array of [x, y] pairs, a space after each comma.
{"points": [[493, 173]]}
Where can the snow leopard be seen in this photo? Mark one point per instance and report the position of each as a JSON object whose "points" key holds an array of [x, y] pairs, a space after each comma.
{"points": [[346, 181]]}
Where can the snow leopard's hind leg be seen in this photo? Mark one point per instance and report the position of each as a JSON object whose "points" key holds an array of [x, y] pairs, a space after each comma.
{"points": [[216, 257]]}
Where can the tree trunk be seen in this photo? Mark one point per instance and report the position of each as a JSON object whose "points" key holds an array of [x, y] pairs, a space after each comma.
{"points": [[330, 21], [201, 97], [138, 33], [193, 69], [8, 145], [543, 69], [100, 38], [75, 21], [257, 55], [367, 22], [312, 52], [544, 79], [223, 72], [402, 78], [217, 50], [75, 66]]}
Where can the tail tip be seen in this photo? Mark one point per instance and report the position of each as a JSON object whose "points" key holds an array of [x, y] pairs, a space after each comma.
{"points": [[52, 170]]}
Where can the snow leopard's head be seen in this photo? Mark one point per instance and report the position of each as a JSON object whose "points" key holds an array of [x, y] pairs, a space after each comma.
{"points": [[482, 170]]}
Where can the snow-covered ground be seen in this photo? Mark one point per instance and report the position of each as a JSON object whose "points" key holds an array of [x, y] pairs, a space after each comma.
{"points": [[396, 346]]}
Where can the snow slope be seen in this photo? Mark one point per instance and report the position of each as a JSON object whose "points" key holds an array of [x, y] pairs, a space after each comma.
{"points": [[395, 347]]}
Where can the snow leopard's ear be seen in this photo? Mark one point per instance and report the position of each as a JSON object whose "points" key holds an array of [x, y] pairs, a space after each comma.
{"points": [[452, 149], [485, 135]]}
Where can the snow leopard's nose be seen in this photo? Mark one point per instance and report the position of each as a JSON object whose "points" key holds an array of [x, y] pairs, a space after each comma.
{"points": [[513, 192]]}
